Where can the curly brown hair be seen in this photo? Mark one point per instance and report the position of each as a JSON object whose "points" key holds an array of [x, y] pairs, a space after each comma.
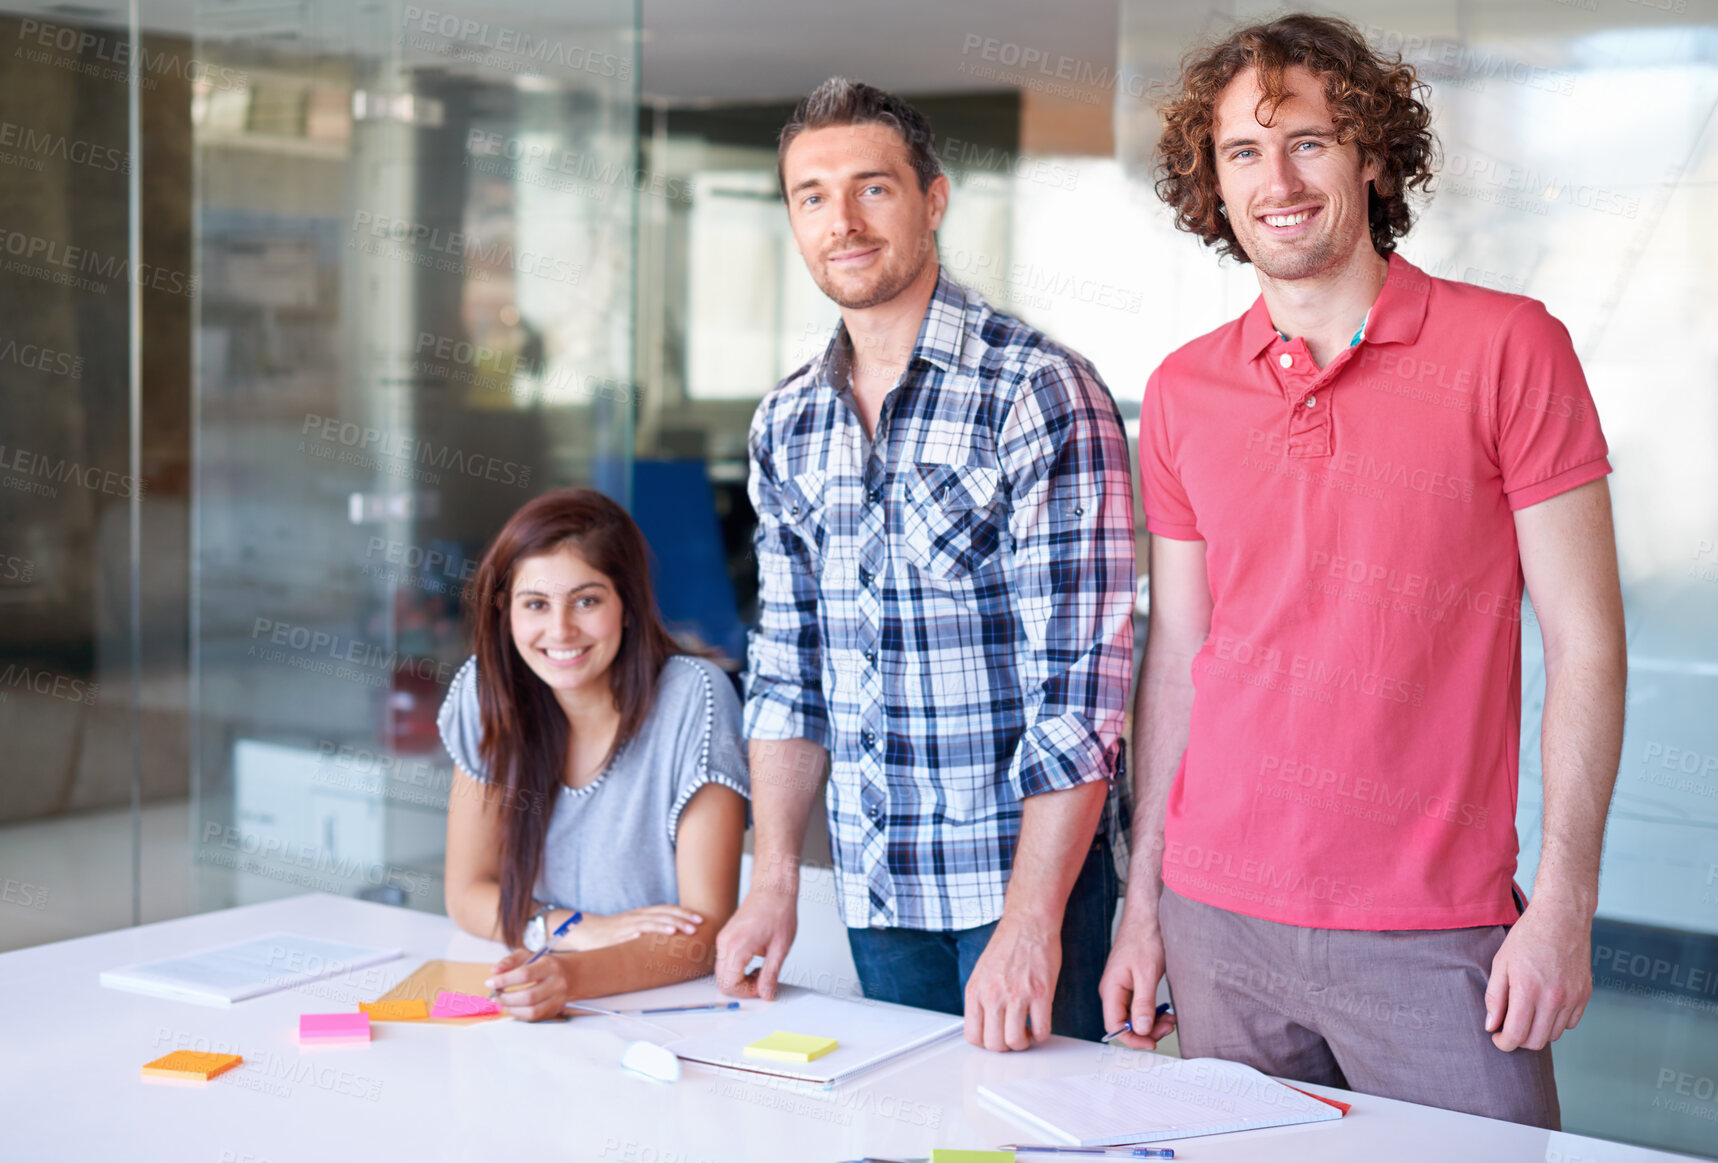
{"points": [[1374, 99]]}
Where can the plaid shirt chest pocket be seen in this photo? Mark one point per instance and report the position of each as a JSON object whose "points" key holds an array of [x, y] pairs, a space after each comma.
{"points": [[802, 512], [953, 521]]}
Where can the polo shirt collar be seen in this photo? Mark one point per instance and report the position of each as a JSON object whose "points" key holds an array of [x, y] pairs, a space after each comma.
{"points": [[1395, 317], [942, 337], [1401, 307]]}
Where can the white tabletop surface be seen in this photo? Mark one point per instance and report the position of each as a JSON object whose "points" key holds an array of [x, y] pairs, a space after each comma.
{"points": [[70, 1053]]}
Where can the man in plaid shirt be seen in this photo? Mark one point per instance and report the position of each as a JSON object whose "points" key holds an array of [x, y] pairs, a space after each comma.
{"points": [[945, 547]]}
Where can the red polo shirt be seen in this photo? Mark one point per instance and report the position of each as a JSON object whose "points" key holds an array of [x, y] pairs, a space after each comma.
{"points": [[1356, 717]]}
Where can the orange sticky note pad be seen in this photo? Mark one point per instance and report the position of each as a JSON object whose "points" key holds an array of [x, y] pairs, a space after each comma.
{"points": [[786, 1047], [191, 1064], [409, 1010], [328, 1028]]}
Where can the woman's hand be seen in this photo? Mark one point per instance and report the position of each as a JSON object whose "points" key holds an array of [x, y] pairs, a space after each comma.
{"points": [[595, 932], [533, 992]]}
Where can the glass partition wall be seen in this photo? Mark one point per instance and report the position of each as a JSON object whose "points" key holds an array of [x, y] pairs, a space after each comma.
{"points": [[93, 475], [414, 237]]}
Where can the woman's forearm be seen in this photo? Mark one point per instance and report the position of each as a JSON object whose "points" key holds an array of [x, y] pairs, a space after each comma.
{"points": [[645, 962], [476, 908]]}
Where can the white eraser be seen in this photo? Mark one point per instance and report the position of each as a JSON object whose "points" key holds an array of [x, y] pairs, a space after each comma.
{"points": [[652, 1061]]}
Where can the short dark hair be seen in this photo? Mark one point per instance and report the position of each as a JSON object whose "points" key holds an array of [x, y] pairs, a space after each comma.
{"points": [[839, 101], [1374, 98]]}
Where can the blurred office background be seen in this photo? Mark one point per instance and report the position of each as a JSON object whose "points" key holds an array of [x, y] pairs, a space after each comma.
{"points": [[294, 320]]}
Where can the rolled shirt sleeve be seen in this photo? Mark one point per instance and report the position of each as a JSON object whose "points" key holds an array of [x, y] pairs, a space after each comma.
{"points": [[784, 667], [1064, 452]]}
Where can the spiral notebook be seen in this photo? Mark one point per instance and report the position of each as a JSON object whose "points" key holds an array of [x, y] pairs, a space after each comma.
{"points": [[1161, 1098]]}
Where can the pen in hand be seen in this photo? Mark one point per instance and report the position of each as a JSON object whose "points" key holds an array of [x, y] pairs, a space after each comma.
{"points": [[1127, 1027], [549, 945]]}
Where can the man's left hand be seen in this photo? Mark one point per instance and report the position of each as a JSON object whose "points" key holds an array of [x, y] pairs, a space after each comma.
{"points": [[1014, 980], [1541, 978]]}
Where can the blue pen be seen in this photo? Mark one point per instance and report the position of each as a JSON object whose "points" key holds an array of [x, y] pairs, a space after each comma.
{"points": [[1127, 1028], [560, 931], [710, 1007], [1109, 1152]]}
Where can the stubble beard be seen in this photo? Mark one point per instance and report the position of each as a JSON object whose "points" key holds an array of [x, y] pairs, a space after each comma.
{"points": [[1304, 258], [896, 276]]}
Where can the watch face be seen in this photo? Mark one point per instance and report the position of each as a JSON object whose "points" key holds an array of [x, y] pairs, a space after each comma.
{"points": [[536, 933]]}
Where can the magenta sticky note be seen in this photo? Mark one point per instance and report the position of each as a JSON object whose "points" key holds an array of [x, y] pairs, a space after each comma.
{"points": [[334, 1027], [449, 1004]]}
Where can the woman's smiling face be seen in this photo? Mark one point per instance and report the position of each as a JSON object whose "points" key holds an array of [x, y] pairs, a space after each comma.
{"points": [[566, 620]]}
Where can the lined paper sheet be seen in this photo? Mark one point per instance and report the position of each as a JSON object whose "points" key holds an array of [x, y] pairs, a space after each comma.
{"points": [[1161, 1098]]}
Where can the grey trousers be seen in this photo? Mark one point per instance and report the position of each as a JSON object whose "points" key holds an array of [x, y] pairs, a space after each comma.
{"points": [[1399, 1013]]}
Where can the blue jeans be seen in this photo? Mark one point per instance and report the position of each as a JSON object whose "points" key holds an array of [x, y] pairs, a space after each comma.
{"points": [[929, 969]]}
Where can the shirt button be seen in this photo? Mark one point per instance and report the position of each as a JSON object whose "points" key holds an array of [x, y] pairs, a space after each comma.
{"points": [[1286, 359], [867, 738], [871, 657], [875, 811], [1312, 401], [864, 577], [874, 496]]}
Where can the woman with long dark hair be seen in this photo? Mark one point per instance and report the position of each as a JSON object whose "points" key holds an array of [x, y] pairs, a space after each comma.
{"points": [[598, 766]]}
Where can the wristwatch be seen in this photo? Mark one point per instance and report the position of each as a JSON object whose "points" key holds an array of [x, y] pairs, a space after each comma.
{"points": [[537, 929]]}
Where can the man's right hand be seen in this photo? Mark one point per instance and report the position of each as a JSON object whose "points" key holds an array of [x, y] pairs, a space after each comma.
{"points": [[764, 925], [1128, 987]]}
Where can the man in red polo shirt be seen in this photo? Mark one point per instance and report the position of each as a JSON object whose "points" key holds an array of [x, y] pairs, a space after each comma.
{"points": [[1346, 488]]}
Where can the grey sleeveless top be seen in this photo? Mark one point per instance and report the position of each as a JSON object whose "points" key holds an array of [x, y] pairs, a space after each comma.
{"points": [[610, 845]]}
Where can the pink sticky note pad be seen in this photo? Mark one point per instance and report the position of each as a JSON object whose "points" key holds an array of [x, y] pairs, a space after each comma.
{"points": [[449, 1004], [324, 1028]]}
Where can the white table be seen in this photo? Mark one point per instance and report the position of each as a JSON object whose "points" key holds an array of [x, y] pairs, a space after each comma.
{"points": [[70, 1052]]}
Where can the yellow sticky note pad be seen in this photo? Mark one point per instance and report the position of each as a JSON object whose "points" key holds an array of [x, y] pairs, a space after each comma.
{"points": [[191, 1064], [406, 1010], [951, 1155], [785, 1047]]}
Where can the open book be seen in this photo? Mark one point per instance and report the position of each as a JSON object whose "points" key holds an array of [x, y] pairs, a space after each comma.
{"points": [[1161, 1098], [867, 1033]]}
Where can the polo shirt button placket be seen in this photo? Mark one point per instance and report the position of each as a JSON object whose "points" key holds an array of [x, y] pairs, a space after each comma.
{"points": [[1308, 427]]}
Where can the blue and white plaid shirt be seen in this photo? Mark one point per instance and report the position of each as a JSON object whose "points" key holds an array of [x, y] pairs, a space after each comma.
{"points": [[945, 608]]}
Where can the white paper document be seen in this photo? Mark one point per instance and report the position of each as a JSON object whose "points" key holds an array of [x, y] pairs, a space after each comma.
{"points": [[1161, 1098], [869, 1034], [248, 969]]}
